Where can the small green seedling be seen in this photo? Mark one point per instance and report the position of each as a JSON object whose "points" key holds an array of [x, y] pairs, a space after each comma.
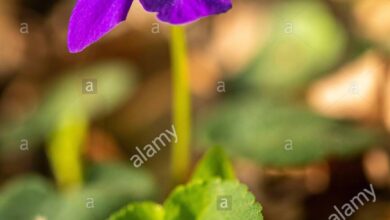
{"points": [[213, 193]]}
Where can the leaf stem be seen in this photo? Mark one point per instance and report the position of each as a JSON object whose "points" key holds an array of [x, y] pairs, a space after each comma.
{"points": [[180, 155]]}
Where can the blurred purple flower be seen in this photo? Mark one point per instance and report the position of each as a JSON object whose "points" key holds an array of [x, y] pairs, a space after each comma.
{"points": [[92, 19]]}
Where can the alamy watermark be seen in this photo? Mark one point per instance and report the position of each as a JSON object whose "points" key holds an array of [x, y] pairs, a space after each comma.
{"points": [[224, 203], [89, 86], [347, 209], [154, 147]]}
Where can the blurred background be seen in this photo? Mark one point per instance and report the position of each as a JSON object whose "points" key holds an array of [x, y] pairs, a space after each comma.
{"points": [[297, 92]]}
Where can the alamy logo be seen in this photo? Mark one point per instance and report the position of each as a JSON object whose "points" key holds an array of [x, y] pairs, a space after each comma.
{"points": [[153, 148], [353, 205], [224, 203]]}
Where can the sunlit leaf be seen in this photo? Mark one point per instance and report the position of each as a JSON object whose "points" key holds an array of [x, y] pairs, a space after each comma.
{"points": [[140, 211], [212, 200], [214, 164], [206, 197]]}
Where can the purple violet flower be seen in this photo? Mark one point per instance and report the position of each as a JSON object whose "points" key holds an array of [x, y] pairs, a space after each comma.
{"points": [[92, 19]]}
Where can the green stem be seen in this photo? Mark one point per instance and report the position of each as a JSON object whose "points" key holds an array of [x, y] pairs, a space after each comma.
{"points": [[181, 105], [65, 149]]}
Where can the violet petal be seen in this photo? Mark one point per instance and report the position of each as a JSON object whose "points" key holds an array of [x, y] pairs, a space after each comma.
{"points": [[92, 19], [185, 11]]}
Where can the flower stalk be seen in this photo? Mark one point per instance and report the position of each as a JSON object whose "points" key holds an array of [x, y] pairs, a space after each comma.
{"points": [[65, 149], [180, 154]]}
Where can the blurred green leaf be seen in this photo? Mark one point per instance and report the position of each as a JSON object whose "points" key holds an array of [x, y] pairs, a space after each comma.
{"points": [[124, 180], [277, 135], [214, 164], [203, 201], [108, 187], [305, 41], [115, 83], [140, 211], [24, 197]]}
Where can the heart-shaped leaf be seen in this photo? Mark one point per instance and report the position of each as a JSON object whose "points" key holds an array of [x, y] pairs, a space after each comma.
{"points": [[206, 197], [199, 200]]}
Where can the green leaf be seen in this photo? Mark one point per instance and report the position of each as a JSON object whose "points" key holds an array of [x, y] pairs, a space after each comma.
{"points": [[214, 164], [108, 188], [126, 182], [212, 200], [115, 83], [24, 197], [280, 135], [304, 27], [140, 211]]}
